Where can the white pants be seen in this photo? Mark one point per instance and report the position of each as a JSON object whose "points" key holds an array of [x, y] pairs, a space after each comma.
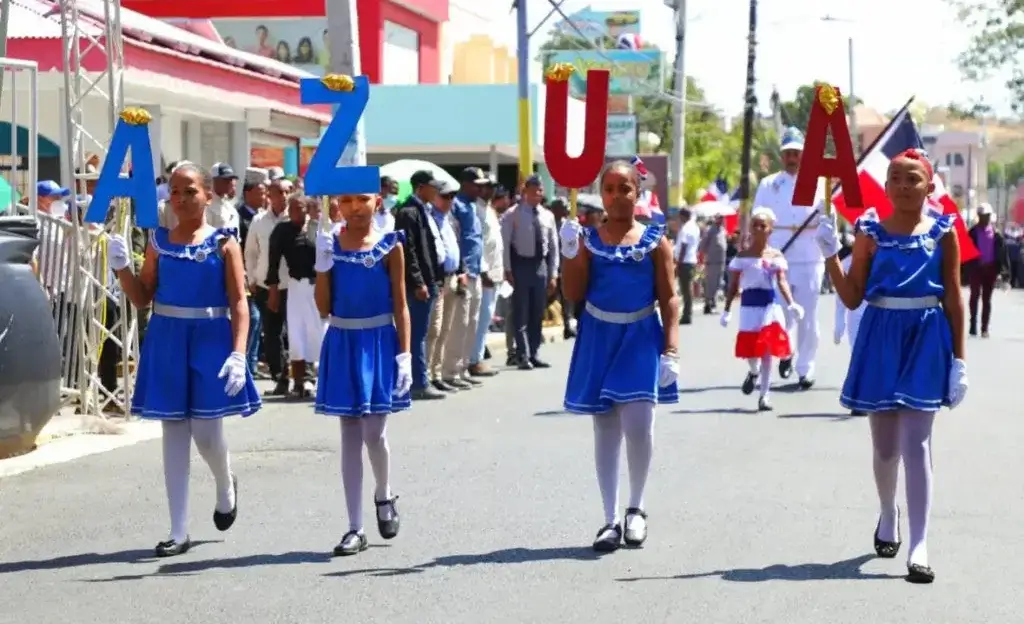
{"points": [[853, 324], [805, 282], [305, 327]]}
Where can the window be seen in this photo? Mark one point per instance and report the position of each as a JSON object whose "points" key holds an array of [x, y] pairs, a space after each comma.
{"points": [[401, 62]]}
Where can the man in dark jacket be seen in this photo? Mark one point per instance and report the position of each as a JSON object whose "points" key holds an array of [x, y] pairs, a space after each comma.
{"points": [[983, 272], [423, 273]]}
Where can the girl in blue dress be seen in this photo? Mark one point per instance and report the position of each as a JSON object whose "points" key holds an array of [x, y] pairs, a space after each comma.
{"points": [[192, 368], [365, 364], [908, 358], [625, 361]]}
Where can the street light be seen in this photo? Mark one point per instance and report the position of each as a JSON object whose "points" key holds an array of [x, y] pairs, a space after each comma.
{"points": [[852, 112]]}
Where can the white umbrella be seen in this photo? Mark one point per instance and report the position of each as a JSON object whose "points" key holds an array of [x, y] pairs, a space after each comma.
{"points": [[713, 209]]}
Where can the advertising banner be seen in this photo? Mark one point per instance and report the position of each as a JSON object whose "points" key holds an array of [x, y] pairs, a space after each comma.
{"points": [[622, 136], [298, 42], [634, 72], [596, 25]]}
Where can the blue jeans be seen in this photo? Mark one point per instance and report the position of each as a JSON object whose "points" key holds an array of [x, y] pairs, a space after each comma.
{"points": [[419, 323], [253, 341], [488, 300]]}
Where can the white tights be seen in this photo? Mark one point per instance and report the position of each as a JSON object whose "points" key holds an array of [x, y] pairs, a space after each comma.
{"points": [[906, 434], [635, 422], [177, 447], [762, 367], [371, 431]]}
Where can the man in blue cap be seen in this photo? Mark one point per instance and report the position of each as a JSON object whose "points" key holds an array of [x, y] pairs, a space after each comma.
{"points": [[51, 197], [805, 260]]}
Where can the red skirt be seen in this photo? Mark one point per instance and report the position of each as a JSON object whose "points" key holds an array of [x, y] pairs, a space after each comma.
{"points": [[769, 340]]}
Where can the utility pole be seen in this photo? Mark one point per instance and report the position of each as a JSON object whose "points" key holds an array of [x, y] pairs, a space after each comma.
{"points": [[343, 36], [523, 75], [677, 162], [750, 104], [853, 103]]}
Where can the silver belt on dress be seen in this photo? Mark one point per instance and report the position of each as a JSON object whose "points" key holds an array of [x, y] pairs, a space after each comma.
{"points": [[182, 312], [905, 303], [372, 322], [619, 318]]}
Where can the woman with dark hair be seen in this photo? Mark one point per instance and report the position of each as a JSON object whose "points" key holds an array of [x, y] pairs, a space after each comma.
{"points": [[284, 52], [304, 52]]}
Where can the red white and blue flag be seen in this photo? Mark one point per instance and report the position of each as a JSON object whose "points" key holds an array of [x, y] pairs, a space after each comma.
{"points": [[717, 191], [647, 204], [900, 135]]}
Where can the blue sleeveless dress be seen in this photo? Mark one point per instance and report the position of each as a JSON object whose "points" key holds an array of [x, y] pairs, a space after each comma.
{"points": [[616, 358], [902, 358], [357, 360], [189, 336]]}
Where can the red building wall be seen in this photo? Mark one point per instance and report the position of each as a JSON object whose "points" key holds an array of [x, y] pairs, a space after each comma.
{"points": [[426, 20]]}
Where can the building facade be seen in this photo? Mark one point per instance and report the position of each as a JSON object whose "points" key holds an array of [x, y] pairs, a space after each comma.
{"points": [[963, 158], [399, 40], [478, 43]]}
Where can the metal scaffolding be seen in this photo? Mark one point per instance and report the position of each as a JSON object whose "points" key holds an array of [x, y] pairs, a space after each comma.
{"points": [[102, 318]]}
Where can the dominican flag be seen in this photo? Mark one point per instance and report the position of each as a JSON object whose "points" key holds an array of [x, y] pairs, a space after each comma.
{"points": [[648, 206], [717, 191], [899, 136]]}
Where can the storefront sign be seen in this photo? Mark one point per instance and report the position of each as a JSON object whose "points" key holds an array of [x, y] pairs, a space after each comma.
{"points": [[622, 135], [595, 25]]}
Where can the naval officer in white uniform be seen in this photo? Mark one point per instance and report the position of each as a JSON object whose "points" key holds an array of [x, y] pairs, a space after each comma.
{"points": [[806, 264]]}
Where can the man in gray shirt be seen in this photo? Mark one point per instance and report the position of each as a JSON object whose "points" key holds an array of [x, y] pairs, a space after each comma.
{"points": [[531, 267], [713, 247]]}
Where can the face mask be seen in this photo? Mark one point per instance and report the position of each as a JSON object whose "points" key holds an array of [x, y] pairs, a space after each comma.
{"points": [[59, 207], [390, 201]]}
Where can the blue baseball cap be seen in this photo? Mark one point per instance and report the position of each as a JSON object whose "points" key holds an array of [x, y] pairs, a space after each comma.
{"points": [[792, 139], [49, 188]]}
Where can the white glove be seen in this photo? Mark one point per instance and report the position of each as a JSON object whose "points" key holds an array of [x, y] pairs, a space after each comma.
{"points": [[570, 235], [957, 383], [796, 310], [725, 318], [837, 336], [668, 370], [827, 237], [324, 251], [403, 380], [234, 372], [118, 254]]}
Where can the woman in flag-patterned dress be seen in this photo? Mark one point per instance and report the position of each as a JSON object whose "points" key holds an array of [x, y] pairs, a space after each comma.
{"points": [[762, 333]]}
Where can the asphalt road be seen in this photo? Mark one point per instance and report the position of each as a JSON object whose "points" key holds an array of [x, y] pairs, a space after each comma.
{"points": [[753, 517]]}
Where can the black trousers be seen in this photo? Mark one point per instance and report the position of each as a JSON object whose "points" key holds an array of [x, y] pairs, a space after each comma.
{"points": [[273, 331], [686, 289], [529, 301], [106, 368]]}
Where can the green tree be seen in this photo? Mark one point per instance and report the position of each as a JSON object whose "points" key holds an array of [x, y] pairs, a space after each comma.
{"points": [[1007, 173], [997, 43]]}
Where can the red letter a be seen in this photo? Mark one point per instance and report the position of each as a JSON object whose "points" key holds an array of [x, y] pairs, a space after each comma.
{"points": [[827, 113]]}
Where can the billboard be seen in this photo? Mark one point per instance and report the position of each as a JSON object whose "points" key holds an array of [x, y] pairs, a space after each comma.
{"points": [[633, 72], [622, 135], [298, 42], [596, 25]]}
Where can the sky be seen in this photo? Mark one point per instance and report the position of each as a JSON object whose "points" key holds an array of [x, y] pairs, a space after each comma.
{"points": [[796, 47]]}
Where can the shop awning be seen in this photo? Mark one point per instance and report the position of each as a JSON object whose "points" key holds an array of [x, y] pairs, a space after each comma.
{"points": [[178, 65]]}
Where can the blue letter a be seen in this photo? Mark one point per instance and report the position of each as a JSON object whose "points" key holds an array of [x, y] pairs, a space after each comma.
{"points": [[324, 176], [140, 185]]}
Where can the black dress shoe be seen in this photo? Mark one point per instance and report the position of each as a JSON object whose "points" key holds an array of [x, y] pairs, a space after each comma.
{"points": [[764, 405], [748, 383], [388, 529], [427, 394], [785, 368], [457, 384], [512, 359], [634, 538], [470, 381], [537, 363], [352, 543], [806, 383], [919, 574], [524, 365], [568, 334], [443, 386], [281, 389], [609, 538], [858, 413], [172, 548], [884, 549], [223, 521]]}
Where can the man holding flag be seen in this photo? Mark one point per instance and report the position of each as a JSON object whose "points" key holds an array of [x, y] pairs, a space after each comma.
{"points": [[792, 235]]}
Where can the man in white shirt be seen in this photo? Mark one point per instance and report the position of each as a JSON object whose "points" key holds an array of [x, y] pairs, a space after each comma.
{"points": [[687, 242], [806, 264], [223, 210], [492, 273], [257, 263], [384, 217]]}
